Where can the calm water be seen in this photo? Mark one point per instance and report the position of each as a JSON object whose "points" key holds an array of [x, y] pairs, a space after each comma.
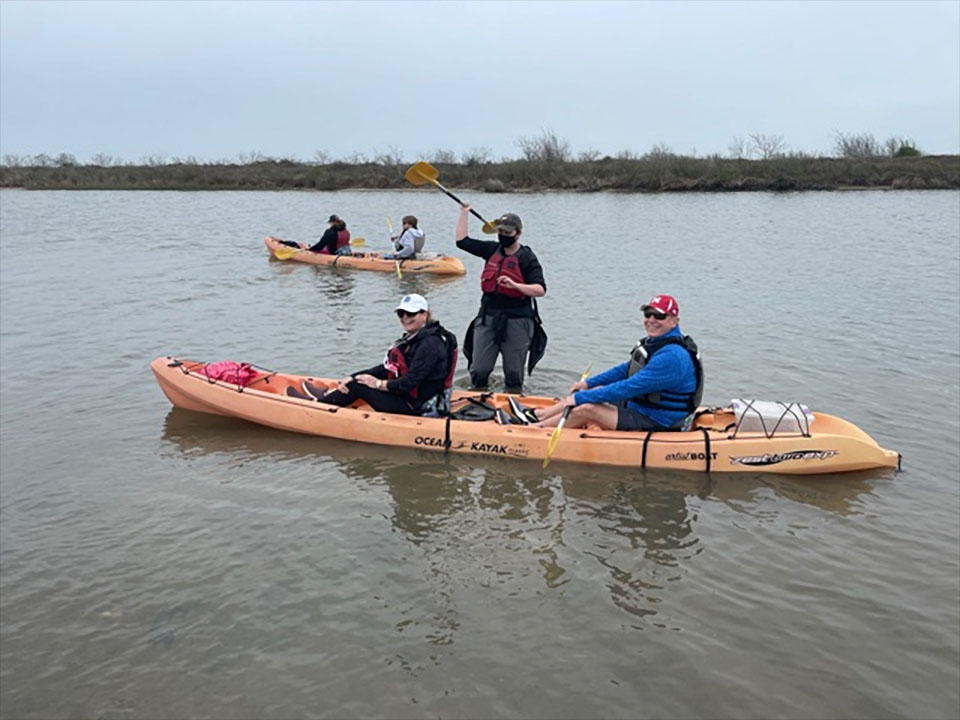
{"points": [[157, 563]]}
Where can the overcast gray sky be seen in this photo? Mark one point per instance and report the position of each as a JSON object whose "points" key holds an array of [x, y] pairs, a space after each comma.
{"points": [[219, 79]]}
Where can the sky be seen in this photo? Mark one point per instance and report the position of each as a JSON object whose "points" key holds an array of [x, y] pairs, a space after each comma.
{"points": [[305, 80]]}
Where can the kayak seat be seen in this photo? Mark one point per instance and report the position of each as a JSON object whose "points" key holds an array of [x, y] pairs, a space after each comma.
{"points": [[315, 392], [294, 393]]}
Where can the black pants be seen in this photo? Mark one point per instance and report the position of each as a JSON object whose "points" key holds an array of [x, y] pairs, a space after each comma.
{"points": [[377, 399]]}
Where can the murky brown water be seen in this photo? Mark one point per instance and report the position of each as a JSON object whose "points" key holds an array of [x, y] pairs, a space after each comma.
{"points": [[159, 563]]}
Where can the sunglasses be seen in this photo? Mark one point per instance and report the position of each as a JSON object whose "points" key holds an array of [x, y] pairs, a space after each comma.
{"points": [[404, 314], [654, 314]]}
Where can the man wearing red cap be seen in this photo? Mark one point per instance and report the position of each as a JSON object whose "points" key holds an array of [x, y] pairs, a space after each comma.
{"points": [[656, 389]]}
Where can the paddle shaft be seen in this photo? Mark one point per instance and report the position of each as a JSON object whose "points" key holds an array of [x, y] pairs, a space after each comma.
{"points": [[555, 438], [460, 202]]}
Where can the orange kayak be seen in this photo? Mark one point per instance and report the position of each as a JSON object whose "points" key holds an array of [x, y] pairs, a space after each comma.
{"points": [[714, 443], [440, 265]]}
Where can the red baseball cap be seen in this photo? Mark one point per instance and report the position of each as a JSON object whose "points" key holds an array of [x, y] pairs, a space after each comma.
{"points": [[662, 303]]}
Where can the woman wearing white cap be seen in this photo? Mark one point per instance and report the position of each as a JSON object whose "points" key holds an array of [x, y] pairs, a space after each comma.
{"points": [[417, 369]]}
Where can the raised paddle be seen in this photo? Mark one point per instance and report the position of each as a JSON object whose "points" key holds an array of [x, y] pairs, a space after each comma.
{"points": [[424, 172], [286, 252], [390, 235], [555, 437]]}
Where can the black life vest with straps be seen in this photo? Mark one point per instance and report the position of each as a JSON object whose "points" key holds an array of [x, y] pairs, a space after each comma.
{"points": [[667, 399]]}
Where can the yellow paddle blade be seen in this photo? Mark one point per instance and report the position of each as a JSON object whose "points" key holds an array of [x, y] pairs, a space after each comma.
{"points": [[285, 253], [422, 173], [358, 242], [489, 228], [399, 274], [555, 438], [389, 225]]}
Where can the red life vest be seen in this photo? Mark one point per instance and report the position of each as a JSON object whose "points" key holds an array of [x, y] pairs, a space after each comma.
{"points": [[499, 265], [343, 238]]}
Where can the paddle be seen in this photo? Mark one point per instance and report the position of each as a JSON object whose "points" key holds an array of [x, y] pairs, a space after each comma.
{"points": [[555, 437], [390, 235], [286, 252], [424, 172]]}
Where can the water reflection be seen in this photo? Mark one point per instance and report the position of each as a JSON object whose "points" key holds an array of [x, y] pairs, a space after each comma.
{"points": [[510, 521]]}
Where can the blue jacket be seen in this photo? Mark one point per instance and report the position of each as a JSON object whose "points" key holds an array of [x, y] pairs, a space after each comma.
{"points": [[670, 368]]}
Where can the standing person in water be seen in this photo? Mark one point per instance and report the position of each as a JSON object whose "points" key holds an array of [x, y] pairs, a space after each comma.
{"points": [[508, 323]]}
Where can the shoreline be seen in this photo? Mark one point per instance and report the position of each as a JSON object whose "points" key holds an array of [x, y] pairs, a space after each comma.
{"points": [[673, 174]]}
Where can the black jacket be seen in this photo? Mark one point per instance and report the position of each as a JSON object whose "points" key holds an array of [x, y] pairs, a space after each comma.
{"points": [[427, 358]]}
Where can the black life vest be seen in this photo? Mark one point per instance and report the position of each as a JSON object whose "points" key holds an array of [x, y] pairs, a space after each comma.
{"points": [[667, 399], [499, 265], [396, 361]]}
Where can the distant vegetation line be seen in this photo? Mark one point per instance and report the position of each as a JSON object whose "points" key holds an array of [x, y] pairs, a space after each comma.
{"points": [[759, 163]]}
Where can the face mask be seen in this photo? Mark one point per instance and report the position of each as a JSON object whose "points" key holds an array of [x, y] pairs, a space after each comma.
{"points": [[506, 240]]}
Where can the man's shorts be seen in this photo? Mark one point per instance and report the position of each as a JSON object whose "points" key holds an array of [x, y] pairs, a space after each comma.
{"points": [[628, 419]]}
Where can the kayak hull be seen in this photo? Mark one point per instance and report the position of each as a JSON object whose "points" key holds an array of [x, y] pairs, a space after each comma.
{"points": [[833, 445], [443, 265]]}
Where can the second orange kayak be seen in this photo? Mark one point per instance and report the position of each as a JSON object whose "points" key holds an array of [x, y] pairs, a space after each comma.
{"points": [[440, 265]]}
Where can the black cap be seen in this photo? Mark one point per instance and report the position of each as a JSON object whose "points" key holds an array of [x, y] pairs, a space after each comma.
{"points": [[333, 218], [509, 221]]}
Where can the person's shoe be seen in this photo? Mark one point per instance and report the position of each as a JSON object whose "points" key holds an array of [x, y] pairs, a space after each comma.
{"points": [[523, 414], [294, 393], [315, 392]]}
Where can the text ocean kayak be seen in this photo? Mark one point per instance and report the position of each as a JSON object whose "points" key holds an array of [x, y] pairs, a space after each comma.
{"points": [[441, 265], [832, 445]]}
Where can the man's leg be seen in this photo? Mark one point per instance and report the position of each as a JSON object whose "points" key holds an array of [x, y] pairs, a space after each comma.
{"points": [[514, 349], [600, 414], [485, 351]]}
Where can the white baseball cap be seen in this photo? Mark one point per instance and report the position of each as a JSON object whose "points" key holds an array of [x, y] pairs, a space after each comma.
{"points": [[413, 303]]}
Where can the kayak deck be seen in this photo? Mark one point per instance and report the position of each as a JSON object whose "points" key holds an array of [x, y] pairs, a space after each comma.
{"points": [[713, 444], [441, 265]]}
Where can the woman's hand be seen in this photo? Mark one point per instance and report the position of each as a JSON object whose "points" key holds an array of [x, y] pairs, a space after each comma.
{"points": [[370, 381], [342, 384], [578, 385]]}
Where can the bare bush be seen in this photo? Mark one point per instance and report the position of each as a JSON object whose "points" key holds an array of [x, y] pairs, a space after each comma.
{"points": [[548, 148], [441, 156], [102, 159], [660, 151], [856, 145], [588, 155], [321, 157], [12, 161], [738, 148], [392, 157], [481, 155], [767, 147], [251, 157]]}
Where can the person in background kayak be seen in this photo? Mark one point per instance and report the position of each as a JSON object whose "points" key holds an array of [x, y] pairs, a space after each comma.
{"points": [[409, 242], [417, 368], [658, 388], [508, 323], [335, 239]]}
